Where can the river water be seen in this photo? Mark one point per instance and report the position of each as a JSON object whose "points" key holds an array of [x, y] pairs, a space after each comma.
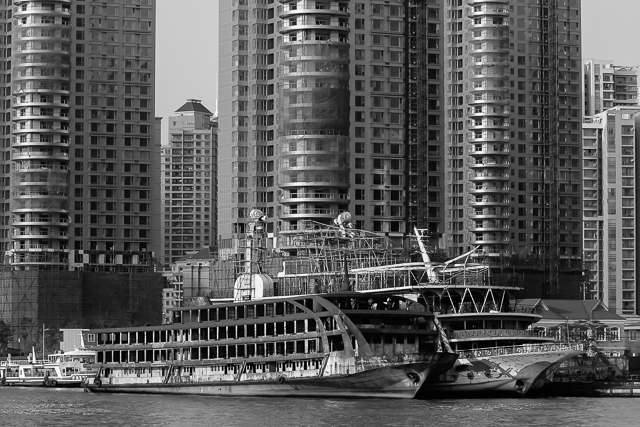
{"points": [[73, 407]]}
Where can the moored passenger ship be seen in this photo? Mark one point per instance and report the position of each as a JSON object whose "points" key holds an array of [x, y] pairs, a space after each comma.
{"points": [[340, 344]]}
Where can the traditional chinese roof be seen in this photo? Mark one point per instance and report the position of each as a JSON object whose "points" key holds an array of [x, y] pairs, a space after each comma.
{"points": [[564, 309]]}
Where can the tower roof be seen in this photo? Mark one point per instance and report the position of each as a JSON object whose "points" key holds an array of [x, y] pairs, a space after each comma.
{"points": [[194, 105]]}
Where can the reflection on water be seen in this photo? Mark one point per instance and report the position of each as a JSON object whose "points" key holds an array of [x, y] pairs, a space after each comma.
{"points": [[43, 406]]}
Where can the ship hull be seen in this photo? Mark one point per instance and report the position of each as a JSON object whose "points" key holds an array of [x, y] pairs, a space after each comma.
{"points": [[511, 374], [39, 382], [591, 389], [397, 381]]}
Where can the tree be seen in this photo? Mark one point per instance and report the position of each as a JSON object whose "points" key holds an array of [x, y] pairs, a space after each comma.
{"points": [[25, 327], [6, 337]]}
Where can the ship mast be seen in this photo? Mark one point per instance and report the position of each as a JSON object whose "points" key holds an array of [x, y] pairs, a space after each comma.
{"points": [[251, 283]]}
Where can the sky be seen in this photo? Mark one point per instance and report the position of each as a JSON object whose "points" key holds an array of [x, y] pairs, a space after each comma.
{"points": [[187, 46]]}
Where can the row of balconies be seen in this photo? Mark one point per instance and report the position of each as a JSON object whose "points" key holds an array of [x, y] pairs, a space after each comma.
{"points": [[488, 188], [489, 47], [26, 166], [489, 163], [32, 47], [314, 24], [43, 100], [37, 115], [39, 193], [291, 213], [40, 140], [313, 197], [501, 33], [489, 213], [42, 20], [486, 9], [487, 98], [38, 8], [288, 10], [488, 111], [487, 200], [489, 175], [39, 234], [486, 123], [490, 238], [57, 127], [480, 149], [326, 40], [25, 220], [488, 137]]}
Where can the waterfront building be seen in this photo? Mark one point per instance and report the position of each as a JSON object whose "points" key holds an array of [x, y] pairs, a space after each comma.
{"points": [[189, 182], [579, 320], [609, 216], [80, 181], [607, 85]]}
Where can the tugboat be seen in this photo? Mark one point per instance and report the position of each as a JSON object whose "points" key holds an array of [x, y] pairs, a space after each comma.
{"points": [[345, 344]]}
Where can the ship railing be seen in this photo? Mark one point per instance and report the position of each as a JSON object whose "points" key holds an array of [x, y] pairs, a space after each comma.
{"points": [[492, 333], [520, 349]]}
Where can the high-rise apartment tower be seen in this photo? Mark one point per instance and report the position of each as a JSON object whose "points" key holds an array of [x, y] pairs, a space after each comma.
{"points": [[78, 101], [189, 182]]}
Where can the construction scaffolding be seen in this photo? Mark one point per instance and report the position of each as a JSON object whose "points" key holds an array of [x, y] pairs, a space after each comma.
{"points": [[58, 298], [326, 256]]}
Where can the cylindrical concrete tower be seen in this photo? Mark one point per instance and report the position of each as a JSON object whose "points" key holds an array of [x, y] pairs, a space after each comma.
{"points": [[40, 143], [313, 128]]}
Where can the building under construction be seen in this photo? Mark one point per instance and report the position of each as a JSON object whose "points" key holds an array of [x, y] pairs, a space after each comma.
{"points": [[32, 298]]}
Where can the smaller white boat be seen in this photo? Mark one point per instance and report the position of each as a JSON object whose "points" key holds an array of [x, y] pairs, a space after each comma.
{"points": [[59, 370]]}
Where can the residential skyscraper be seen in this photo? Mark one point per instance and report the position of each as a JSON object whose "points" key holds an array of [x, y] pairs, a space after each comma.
{"points": [[80, 141], [189, 182], [464, 118], [513, 131], [607, 85], [610, 203], [336, 127]]}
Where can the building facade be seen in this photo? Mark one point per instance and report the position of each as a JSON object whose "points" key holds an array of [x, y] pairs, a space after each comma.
{"points": [[189, 182], [464, 118], [79, 187], [513, 111], [323, 116], [609, 218], [607, 85]]}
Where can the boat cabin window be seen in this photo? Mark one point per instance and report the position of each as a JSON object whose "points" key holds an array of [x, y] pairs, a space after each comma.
{"points": [[492, 324], [474, 324]]}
